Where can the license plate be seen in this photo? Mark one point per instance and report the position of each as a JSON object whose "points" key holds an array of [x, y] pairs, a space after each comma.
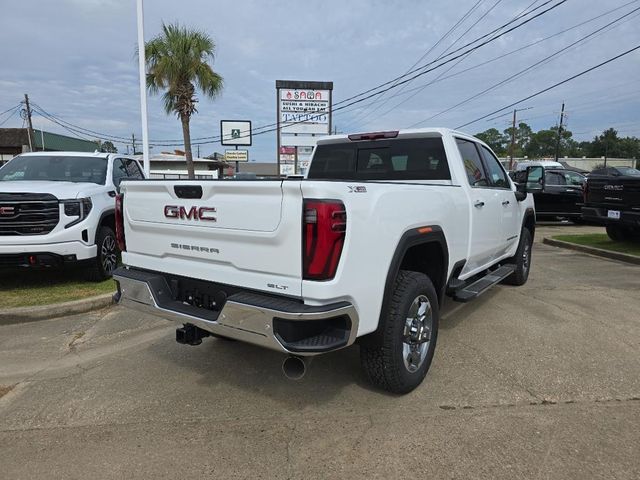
{"points": [[614, 214]]}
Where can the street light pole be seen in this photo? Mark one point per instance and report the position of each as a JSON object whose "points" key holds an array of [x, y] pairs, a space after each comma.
{"points": [[143, 89]]}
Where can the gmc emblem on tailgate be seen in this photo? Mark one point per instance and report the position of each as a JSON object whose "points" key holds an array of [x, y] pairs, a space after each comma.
{"points": [[204, 214], [7, 210]]}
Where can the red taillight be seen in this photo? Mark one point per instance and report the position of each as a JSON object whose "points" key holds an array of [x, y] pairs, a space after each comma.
{"points": [[120, 223], [373, 135], [324, 224]]}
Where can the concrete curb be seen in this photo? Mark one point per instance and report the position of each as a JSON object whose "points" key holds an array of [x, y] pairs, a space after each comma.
{"points": [[623, 257], [46, 312]]}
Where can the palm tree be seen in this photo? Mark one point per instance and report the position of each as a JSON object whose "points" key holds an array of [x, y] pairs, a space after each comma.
{"points": [[178, 62]]}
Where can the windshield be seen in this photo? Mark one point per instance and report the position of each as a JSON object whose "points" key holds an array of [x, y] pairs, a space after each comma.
{"points": [[628, 171], [56, 168]]}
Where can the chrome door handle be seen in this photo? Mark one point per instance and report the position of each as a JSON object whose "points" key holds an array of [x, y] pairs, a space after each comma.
{"points": [[505, 203], [478, 204]]}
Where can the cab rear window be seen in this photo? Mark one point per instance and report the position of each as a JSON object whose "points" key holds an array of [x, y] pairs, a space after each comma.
{"points": [[399, 159]]}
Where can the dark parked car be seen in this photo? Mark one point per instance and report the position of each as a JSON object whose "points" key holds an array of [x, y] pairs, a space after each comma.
{"points": [[561, 195], [612, 199]]}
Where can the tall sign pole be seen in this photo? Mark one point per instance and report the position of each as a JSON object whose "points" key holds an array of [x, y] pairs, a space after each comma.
{"points": [[143, 90]]}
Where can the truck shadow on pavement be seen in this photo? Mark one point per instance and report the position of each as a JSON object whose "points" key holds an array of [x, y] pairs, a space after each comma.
{"points": [[230, 365], [239, 366]]}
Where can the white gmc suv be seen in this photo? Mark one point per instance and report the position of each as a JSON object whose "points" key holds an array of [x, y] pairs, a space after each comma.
{"points": [[365, 248], [58, 208]]}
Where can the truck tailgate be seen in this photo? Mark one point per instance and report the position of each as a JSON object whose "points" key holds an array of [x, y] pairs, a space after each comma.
{"points": [[244, 233]]}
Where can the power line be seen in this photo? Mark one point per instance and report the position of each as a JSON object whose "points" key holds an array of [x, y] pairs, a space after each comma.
{"points": [[419, 90], [86, 131], [16, 109], [9, 109], [395, 82], [482, 64], [373, 93], [530, 67], [350, 101], [424, 55], [555, 85]]}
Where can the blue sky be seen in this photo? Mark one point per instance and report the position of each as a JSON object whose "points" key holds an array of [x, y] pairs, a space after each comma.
{"points": [[75, 59]]}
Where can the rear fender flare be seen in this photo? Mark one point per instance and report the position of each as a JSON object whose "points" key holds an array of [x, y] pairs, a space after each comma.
{"points": [[432, 235]]}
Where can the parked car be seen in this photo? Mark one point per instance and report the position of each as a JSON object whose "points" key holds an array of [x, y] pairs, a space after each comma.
{"points": [[365, 248], [57, 208], [546, 164], [612, 199], [560, 196]]}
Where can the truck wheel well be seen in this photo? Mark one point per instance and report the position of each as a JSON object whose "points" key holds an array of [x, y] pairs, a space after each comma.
{"points": [[109, 220], [530, 224], [427, 258]]}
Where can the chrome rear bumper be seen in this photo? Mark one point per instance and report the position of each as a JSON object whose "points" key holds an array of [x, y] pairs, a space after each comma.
{"points": [[263, 320]]}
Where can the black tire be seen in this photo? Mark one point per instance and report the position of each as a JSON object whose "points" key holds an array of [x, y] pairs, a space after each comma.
{"points": [[396, 358], [618, 233], [521, 260], [577, 221], [102, 267]]}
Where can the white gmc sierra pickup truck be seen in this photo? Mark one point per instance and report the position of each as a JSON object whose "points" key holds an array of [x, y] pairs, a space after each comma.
{"points": [[365, 248]]}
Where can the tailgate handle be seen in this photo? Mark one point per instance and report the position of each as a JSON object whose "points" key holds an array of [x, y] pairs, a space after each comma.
{"points": [[188, 191]]}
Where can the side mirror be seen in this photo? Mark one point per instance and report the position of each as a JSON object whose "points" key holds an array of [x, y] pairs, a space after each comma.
{"points": [[531, 182], [520, 193], [535, 179]]}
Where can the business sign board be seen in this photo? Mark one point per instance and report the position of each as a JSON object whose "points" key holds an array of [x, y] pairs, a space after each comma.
{"points": [[287, 169], [287, 158], [304, 112], [304, 106], [235, 132], [236, 155], [287, 150]]}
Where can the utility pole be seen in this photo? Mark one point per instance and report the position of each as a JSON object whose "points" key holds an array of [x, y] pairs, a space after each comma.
{"points": [[30, 131], [133, 143], [559, 132], [198, 151], [513, 140]]}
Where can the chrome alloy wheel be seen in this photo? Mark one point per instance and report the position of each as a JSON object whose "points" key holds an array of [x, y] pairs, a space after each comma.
{"points": [[108, 254], [417, 333]]}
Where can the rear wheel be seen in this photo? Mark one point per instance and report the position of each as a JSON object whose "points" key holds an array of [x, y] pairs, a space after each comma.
{"points": [[618, 233], [399, 356], [521, 260], [106, 260]]}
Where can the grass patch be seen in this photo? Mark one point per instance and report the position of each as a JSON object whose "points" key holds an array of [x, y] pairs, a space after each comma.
{"points": [[602, 241], [28, 288]]}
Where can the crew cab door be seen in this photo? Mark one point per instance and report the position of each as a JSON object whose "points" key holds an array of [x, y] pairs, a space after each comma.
{"points": [[485, 211], [509, 211]]}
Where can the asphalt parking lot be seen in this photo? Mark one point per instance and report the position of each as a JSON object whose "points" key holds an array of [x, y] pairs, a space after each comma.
{"points": [[540, 381]]}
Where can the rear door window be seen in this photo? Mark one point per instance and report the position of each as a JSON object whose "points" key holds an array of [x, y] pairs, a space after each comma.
{"points": [[497, 175], [554, 178], [472, 163], [400, 159]]}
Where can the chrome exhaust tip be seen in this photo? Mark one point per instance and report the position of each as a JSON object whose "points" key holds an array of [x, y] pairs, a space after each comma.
{"points": [[294, 368]]}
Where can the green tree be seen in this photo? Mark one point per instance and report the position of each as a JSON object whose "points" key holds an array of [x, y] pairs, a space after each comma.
{"points": [[178, 60], [543, 143], [494, 139], [523, 134], [108, 147], [606, 144]]}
